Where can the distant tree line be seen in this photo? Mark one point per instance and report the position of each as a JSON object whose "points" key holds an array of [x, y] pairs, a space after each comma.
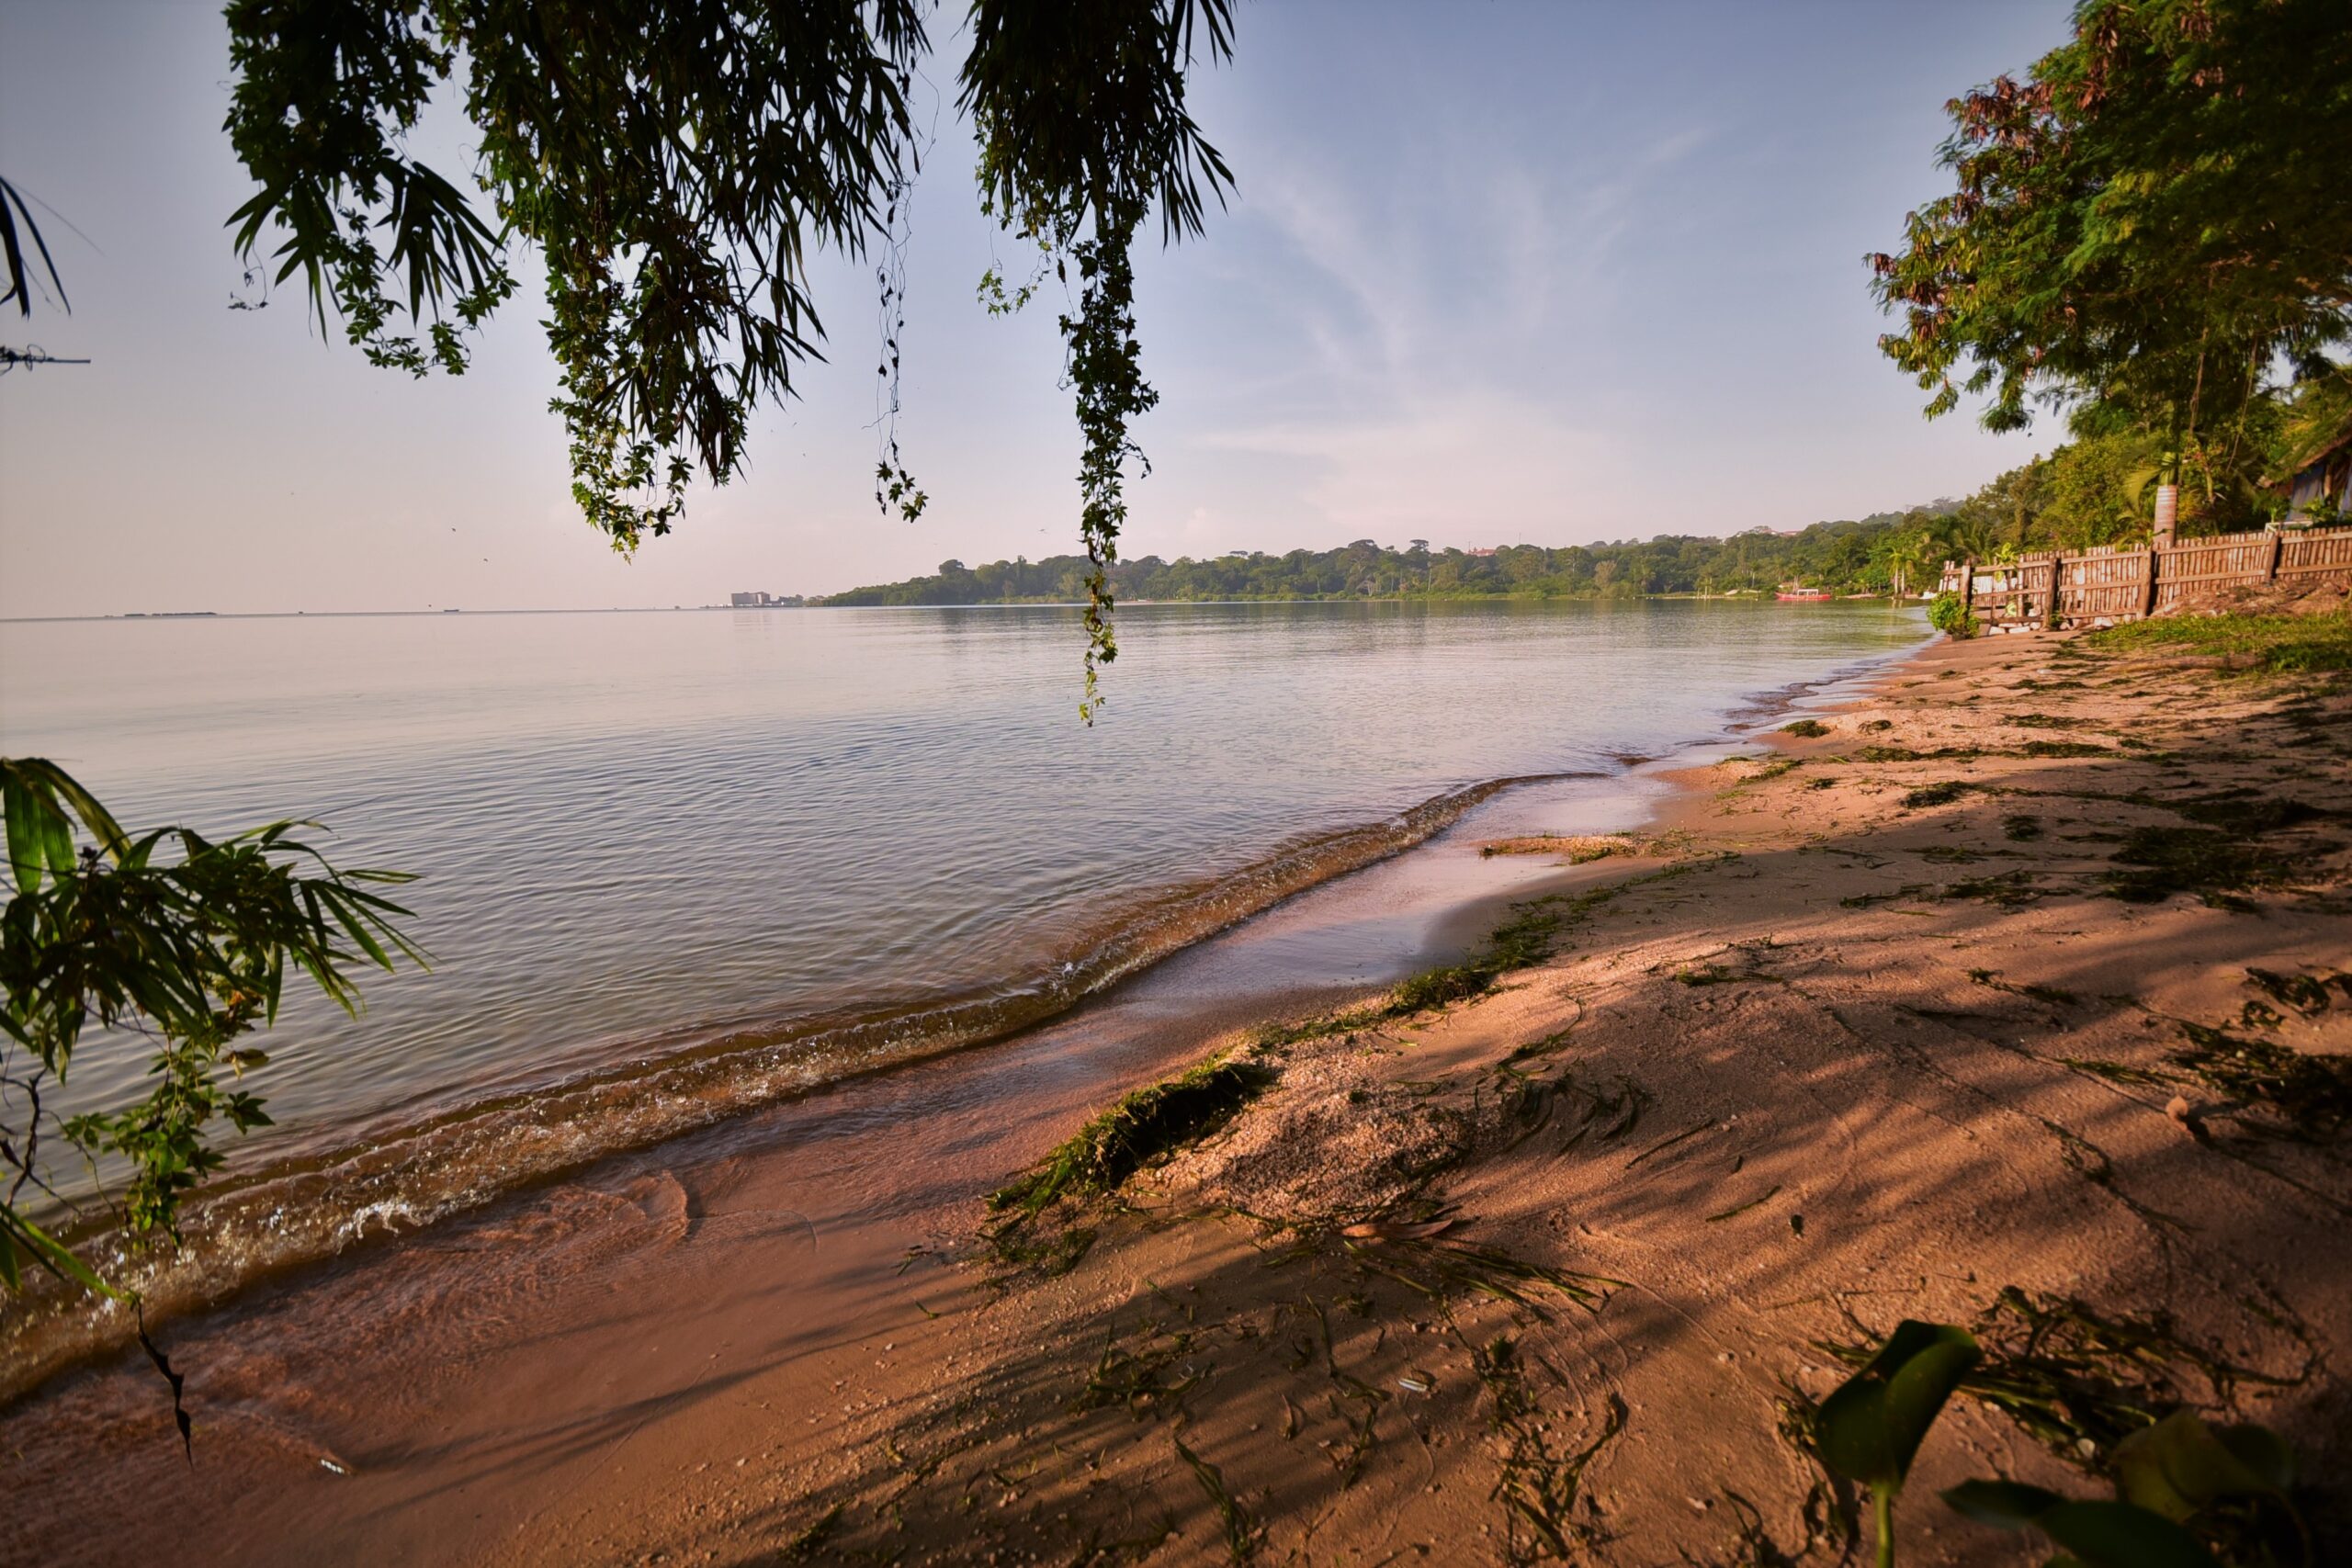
{"points": [[2097, 490], [1849, 555]]}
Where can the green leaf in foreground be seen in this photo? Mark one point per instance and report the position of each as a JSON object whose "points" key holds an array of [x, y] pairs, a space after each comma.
{"points": [[2180, 1466], [1871, 1428], [2094, 1535]]}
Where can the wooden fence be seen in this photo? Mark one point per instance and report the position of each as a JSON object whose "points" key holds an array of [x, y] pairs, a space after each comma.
{"points": [[2099, 587]]}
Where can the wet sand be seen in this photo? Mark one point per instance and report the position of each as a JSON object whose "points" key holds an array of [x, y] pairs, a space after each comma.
{"points": [[1823, 1057], [341, 1408]]}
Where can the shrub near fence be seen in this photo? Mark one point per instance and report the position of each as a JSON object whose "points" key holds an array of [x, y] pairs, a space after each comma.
{"points": [[2114, 583]]}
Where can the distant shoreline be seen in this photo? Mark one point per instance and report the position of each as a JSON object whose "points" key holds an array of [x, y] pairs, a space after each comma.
{"points": [[1762, 596]]}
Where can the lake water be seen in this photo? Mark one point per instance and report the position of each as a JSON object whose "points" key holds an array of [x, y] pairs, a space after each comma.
{"points": [[676, 864]]}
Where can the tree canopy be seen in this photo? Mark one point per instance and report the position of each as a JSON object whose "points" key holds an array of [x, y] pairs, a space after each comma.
{"points": [[2141, 225], [675, 162]]}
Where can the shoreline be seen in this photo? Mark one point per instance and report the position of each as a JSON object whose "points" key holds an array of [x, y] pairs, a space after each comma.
{"points": [[705, 1351], [390, 1179], [1750, 595], [337, 1196]]}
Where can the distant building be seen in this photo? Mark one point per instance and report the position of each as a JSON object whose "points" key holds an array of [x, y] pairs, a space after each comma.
{"points": [[2321, 483], [747, 601], [1481, 552]]}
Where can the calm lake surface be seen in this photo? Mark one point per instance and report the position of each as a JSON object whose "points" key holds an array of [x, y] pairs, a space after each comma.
{"points": [[704, 856]]}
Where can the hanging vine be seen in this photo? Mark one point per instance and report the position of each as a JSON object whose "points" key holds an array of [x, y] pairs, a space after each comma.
{"points": [[673, 167], [1083, 130], [1105, 371]]}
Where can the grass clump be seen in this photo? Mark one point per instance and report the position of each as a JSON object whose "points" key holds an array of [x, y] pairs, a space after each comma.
{"points": [[1149, 1378], [2010, 890], [2063, 748], [1154, 1121], [2022, 828], [1807, 728], [2311, 1092], [1936, 794], [1540, 1474], [2079, 1380], [2156, 863], [2305, 993], [1905, 754], [1241, 1529], [1518, 942], [1524, 940], [2040, 721], [2269, 644], [2247, 811], [2037, 993]]}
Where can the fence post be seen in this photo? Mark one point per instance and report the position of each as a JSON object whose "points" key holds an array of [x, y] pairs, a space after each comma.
{"points": [[2148, 600], [2050, 615], [1968, 583], [2277, 549]]}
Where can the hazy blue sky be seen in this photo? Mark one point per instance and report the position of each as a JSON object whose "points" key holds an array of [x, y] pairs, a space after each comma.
{"points": [[1496, 272]]}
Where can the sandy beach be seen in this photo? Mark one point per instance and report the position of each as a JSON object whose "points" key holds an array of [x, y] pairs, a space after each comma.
{"points": [[2003, 999]]}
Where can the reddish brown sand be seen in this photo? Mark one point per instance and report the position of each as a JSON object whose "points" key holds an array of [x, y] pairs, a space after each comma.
{"points": [[1816, 1059]]}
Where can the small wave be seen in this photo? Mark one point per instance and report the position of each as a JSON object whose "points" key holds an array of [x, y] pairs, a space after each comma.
{"points": [[262, 1223]]}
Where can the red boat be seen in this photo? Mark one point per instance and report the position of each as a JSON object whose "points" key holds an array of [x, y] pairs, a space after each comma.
{"points": [[1804, 596]]}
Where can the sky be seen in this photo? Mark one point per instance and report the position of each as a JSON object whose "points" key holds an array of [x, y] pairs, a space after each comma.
{"points": [[1493, 273]]}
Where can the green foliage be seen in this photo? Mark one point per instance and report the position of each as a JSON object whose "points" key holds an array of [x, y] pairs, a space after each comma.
{"points": [[187, 938], [2094, 1535], [2090, 496], [2180, 1466], [1870, 1429], [1949, 615], [2052, 1367], [2179, 1484], [1148, 1123], [2254, 644], [2143, 222], [2308, 428], [674, 165], [673, 173]]}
